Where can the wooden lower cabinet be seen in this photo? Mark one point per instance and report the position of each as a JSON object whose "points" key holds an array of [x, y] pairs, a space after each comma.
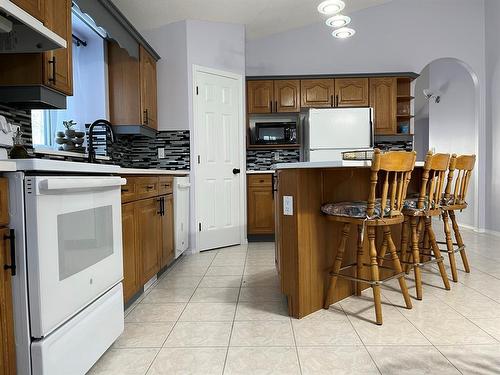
{"points": [[7, 343], [260, 205], [131, 272], [148, 231]]}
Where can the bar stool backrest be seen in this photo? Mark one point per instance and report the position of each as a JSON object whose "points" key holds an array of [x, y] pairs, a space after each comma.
{"points": [[459, 176], [398, 166], [433, 180]]}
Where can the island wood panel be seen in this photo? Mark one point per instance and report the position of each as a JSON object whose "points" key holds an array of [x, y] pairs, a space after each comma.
{"points": [[308, 242]]}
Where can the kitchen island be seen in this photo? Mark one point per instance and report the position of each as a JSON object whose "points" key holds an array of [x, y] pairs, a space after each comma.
{"points": [[306, 242]]}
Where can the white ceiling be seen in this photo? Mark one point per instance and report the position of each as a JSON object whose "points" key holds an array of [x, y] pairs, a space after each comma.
{"points": [[261, 17]]}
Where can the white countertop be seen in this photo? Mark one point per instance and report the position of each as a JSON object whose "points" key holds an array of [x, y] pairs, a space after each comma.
{"points": [[48, 165], [331, 164], [260, 172], [7, 166], [182, 172]]}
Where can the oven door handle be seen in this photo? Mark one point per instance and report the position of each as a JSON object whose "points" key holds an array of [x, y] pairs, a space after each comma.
{"points": [[80, 184]]}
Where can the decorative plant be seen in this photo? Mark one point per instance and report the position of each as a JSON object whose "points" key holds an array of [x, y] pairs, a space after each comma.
{"points": [[69, 124]]}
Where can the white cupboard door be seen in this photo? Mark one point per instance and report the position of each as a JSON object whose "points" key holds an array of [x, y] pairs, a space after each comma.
{"points": [[217, 190]]}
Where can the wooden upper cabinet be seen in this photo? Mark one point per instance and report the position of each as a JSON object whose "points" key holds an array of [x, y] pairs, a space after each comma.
{"points": [[132, 87], [351, 92], [287, 96], [53, 69], [167, 230], [260, 96], [34, 7], [148, 231], [383, 99], [148, 89], [131, 272], [317, 93], [58, 64]]}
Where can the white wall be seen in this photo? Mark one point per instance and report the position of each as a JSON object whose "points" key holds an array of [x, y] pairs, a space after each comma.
{"points": [[172, 71], [451, 121], [492, 197], [403, 35]]}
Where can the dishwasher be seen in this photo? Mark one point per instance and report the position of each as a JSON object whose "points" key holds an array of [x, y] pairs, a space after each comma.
{"points": [[181, 214]]}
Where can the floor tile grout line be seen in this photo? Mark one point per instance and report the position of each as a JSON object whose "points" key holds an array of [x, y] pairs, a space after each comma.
{"points": [[296, 348], [360, 339], [184, 309], [234, 316]]}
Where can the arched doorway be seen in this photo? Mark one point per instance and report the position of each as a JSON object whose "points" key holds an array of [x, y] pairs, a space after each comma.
{"points": [[447, 121]]}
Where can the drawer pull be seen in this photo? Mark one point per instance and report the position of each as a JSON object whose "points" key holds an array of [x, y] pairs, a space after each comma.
{"points": [[125, 190], [261, 180], [149, 187]]}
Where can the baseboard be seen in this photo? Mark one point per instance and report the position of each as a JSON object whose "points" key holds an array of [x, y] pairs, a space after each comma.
{"points": [[492, 232]]}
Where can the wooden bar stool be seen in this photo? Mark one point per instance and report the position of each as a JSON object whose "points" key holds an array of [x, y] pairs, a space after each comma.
{"points": [[418, 214], [390, 175], [453, 200]]}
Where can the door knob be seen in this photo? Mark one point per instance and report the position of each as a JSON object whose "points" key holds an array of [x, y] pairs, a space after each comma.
{"points": [[236, 171]]}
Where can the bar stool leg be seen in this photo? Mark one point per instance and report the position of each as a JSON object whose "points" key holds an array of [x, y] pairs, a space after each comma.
{"points": [[397, 267], [404, 244], [359, 261], [336, 266], [437, 253], [416, 256], [449, 246], [375, 275], [460, 241], [383, 251]]}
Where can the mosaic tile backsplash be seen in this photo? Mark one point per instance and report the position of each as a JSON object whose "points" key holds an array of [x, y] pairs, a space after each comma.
{"points": [[142, 152], [19, 117], [261, 160]]}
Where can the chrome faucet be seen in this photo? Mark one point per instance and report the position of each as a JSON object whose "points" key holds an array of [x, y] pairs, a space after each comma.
{"points": [[90, 146]]}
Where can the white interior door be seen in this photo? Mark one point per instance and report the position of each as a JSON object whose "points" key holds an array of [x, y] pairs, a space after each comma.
{"points": [[218, 125]]}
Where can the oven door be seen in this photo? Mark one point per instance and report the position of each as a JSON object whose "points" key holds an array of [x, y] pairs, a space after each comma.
{"points": [[74, 245]]}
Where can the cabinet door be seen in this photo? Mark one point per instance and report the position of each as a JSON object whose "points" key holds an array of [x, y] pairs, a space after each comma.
{"points": [[7, 345], [287, 96], [383, 99], [317, 93], [58, 64], [167, 230], [148, 89], [4, 201], [260, 96], [131, 260], [351, 92], [124, 92], [147, 226], [260, 210], [34, 7]]}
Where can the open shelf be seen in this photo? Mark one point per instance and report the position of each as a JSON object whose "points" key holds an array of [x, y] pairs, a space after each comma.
{"points": [[273, 147]]}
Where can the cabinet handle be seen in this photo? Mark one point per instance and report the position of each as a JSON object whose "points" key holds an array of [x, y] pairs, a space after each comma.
{"points": [[159, 210], [12, 266], [337, 101], [276, 106], [271, 105], [331, 100], [53, 62], [145, 116]]}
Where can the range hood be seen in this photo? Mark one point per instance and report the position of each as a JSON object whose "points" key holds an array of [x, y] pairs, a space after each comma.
{"points": [[135, 130], [20, 32]]}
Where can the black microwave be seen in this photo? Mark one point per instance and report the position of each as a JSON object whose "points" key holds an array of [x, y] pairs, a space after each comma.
{"points": [[270, 133]]}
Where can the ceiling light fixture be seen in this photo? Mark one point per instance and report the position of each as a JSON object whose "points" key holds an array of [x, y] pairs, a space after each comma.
{"points": [[343, 33], [338, 21], [330, 7]]}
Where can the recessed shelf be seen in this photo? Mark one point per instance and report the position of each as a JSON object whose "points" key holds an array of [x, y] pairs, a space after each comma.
{"points": [[405, 98], [273, 147]]}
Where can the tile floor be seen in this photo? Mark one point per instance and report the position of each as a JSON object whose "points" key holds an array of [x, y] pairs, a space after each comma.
{"points": [[221, 312]]}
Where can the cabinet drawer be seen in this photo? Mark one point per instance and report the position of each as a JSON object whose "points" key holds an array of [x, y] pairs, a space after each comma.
{"points": [[129, 190], [166, 184], [146, 187], [260, 180]]}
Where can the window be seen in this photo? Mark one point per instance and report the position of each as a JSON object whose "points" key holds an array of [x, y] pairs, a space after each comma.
{"points": [[88, 102]]}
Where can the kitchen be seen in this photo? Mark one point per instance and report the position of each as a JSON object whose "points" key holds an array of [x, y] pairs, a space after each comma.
{"points": [[172, 179]]}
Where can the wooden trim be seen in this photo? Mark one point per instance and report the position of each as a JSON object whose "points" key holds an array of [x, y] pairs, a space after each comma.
{"points": [[410, 75]]}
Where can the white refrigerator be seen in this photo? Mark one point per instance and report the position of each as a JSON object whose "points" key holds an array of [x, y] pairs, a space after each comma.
{"points": [[329, 132]]}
